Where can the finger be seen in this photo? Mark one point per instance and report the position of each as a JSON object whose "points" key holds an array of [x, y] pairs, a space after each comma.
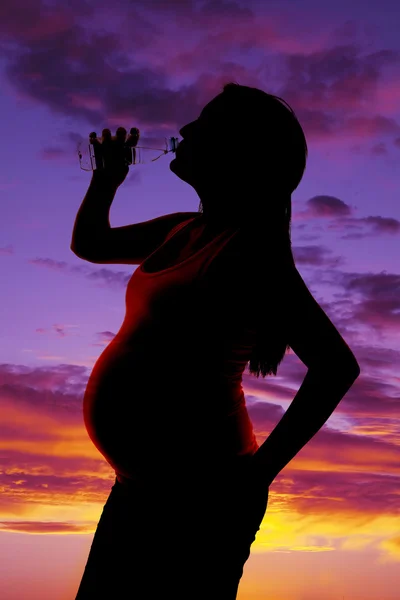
{"points": [[134, 136], [97, 148], [106, 136], [121, 135], [119, 147], [93, 139]]}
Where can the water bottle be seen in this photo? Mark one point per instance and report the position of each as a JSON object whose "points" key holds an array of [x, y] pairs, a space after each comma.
{"points": [[131, 144], [109, 149]]}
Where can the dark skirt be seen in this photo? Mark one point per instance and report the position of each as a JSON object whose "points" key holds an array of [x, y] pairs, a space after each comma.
{"points": [[185, 540]]}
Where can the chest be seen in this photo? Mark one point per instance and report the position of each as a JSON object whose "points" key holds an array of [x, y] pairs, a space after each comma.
{"points": [[179, 247]]}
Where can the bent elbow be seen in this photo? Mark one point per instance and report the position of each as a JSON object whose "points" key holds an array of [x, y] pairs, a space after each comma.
{"points": [[351, 369], [82, 255], [341, 366]]}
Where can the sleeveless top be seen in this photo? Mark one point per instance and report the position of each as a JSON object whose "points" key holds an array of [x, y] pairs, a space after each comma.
{"points": [[177, 361]]}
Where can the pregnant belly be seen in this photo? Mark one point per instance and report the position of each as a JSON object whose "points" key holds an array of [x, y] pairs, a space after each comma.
{"points": [[115, 388], [145, 421], [118, 407], [128, 385]]}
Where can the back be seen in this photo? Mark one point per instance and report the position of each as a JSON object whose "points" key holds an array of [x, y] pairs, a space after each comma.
{"points": [[277, 291], [311, 334]]}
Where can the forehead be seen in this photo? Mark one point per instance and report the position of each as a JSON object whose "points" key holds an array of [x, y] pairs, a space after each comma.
{"points": [[213, 108]]}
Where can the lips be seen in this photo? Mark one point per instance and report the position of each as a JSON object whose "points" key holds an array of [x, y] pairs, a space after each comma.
{"points": [[178, 148]]}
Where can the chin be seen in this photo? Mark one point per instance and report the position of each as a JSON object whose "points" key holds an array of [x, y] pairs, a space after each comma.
{"points": [[179, 170]]}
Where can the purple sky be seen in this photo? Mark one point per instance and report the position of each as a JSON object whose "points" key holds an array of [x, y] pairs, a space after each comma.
{"points": [[67, 68]]}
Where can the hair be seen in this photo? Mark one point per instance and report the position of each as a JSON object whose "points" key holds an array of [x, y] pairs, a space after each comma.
{"points": [[273, 131]]}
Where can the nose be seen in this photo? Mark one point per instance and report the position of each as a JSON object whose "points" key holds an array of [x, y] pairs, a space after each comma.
{"points": [[186, 129]]}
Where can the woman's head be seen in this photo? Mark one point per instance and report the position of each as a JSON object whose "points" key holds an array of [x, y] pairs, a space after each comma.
{"points": [[244, 155]]}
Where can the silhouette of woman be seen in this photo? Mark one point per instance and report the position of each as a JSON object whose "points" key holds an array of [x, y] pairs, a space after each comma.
{"points": [[164, 403]]}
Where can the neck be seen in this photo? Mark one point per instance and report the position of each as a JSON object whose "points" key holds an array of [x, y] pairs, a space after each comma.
{"points": [[252, 220]]}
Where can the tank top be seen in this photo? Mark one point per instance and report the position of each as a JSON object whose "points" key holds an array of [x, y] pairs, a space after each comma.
{"points": [[171, 379]]}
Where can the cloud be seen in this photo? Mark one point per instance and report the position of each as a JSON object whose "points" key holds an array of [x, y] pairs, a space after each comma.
{"points": [[336, 78], [382, 225], [316, 256], [378, 306], [57, 57], [369, 302], [328, 206], [342, 217], [110, 77], [7, 249], [43, 527], [105, 275], [48, 456]]}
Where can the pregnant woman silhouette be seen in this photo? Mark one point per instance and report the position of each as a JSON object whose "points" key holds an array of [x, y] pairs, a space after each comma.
{"points": [[214, 290]]}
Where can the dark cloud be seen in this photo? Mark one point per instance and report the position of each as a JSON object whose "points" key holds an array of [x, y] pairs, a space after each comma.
{"points": [[378, 306], [306, 255], [328, 206], [102, 275], [86, 74], [44, 382], [328, 84], [341, 217], [377, 359], [316, 256], [225, 9], [382, 285], [382, 225], [60, 57], [336, 75]]}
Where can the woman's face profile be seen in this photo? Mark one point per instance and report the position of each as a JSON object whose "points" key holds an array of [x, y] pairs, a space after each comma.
{"points": [[201, 149], [209, 159]]}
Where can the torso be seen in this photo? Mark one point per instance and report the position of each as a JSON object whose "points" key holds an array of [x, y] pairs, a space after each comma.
{"points": [[126, 410]]}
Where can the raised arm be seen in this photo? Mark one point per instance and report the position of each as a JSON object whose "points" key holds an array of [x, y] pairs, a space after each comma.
{"points": [[94, 240], [92, 222]]}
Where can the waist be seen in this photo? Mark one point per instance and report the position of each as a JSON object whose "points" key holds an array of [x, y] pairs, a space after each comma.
{"points": [[189, 471]]}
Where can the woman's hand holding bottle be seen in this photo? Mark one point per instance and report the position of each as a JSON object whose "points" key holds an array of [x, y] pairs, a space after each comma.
{"points": [[113, 155]]}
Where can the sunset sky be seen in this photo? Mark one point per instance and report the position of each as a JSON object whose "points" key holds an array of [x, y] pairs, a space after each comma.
{"points": [[332, 528]]}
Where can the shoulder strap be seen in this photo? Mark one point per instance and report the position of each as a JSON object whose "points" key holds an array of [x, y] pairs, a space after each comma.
{"points": [[177, 227]]}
